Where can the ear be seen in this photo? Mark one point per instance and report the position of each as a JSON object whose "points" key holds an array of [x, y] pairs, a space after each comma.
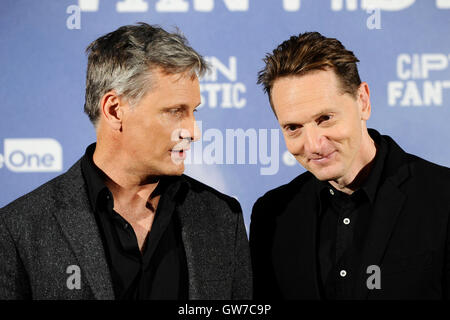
{"points": [[111, 107], [363, 99]]}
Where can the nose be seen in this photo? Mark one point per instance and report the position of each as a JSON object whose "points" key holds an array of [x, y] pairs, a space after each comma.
{"points": [[190, 131], [196, 132], [312, 138]]}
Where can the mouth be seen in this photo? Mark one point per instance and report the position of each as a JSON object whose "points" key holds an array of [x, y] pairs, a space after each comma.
{"points": [[179, 154], [322, 160]]}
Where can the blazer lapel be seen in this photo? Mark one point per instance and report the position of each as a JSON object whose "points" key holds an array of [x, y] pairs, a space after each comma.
{"points": [[388, 205], [205, 254], [296, 253], [78, 224], [193, 264]]}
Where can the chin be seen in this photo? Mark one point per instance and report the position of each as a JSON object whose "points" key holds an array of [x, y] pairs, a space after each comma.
{"points": [[176, 170], [321, 177], [325, 176]]}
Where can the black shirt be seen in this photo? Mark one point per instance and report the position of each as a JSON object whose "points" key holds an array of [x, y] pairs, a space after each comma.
{"points": [[343, 224], [160, 271]]}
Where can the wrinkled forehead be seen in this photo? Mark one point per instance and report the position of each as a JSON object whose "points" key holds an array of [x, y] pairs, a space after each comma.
{"points": [[305, 94]]}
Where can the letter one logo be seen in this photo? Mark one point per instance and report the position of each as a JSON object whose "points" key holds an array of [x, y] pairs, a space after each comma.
{"points": [[32, 155]]}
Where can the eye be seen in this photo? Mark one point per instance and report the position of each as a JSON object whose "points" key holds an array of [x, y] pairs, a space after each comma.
{"points": [[323, 118], [176, 111], [291, 128]]}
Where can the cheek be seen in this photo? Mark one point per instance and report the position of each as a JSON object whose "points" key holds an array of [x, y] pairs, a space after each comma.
{"points": [[294, 146], [169, 128], [150, 137], [160, 129], [341, 135], [348, 142]]}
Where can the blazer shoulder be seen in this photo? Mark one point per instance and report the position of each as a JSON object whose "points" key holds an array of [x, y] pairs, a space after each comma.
{"points": [[209, 194], [40, 200], [285, 192], [430, 174], [423, 170], [421, 165], [273, 203]]}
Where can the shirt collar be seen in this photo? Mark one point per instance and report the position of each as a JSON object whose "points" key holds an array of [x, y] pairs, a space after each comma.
{"points": [[93, 177], [370, 186]]}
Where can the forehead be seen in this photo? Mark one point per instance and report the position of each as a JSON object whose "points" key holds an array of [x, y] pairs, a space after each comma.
{"points": [[173, 87], [301, 95], [174, 81]]}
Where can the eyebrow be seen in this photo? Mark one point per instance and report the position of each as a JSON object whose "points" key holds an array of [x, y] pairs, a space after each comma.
{"points": [[315, 116], [320, 113], [182, 106]]}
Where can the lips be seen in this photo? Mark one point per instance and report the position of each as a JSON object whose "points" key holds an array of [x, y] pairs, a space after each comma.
{"points": [[181, 147], [323, 159], [178, 154], [182, 150], [179, 150]]}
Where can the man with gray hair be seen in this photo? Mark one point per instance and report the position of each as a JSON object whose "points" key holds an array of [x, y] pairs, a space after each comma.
{"points": [[124, 222]]}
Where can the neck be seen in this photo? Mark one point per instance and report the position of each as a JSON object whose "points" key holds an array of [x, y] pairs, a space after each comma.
{"points": [[361, 168], [125, 184]]}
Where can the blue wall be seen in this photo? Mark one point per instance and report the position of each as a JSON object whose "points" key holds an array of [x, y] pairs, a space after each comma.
{"points": [[404, 50]]}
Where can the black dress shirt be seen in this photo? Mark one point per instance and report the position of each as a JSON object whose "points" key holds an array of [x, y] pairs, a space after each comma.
{"points": [[343, 224], [160, 270]]}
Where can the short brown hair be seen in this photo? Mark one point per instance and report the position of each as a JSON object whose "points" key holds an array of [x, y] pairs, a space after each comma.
{"points": [[308, 52]]}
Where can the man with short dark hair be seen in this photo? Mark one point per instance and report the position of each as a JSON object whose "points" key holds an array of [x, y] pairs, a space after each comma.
{"points": [[367, 220], [124, 222]]}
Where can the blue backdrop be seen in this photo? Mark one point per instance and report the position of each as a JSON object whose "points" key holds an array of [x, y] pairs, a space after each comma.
{"points": [[403, 45]]}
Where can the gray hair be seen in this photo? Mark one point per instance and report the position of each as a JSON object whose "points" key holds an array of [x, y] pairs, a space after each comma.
{"points": [[123, 61]]}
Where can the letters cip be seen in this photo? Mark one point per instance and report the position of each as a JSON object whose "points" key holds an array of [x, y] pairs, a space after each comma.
{"points": [[414, 89]]}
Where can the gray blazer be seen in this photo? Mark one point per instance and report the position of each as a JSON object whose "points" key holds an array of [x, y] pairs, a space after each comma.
{"points": [[53, 227]]}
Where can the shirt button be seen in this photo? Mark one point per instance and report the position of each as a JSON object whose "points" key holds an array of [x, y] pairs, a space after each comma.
{"points": [[343, 273], [125, 226], [332, 192], [346, 221]]}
